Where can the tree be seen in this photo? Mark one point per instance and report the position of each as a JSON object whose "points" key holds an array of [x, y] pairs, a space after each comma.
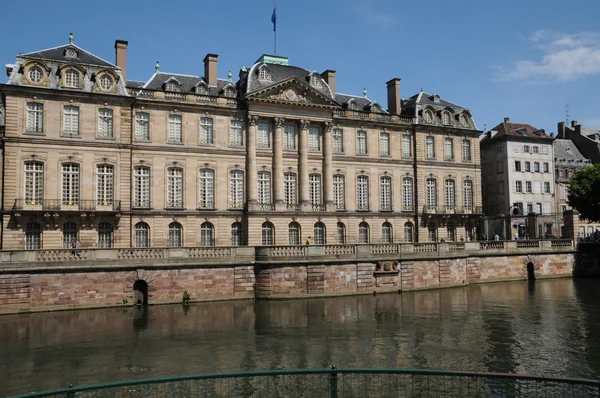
{"points": [[584, 192]]}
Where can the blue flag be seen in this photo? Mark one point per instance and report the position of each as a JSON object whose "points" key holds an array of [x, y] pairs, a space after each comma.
{"points": [[274, 18]]}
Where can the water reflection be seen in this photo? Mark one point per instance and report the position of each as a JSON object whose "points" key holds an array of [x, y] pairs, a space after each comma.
{"points": [[545, 327]]}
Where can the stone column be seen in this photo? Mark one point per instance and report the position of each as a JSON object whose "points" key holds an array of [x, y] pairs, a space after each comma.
{"points": [[278, 164], [327, 168], [303, 165], [251, 174]]}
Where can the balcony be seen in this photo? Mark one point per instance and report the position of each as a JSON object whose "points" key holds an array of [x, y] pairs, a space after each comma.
{"points": [[292, 206], [340, 207], [452, 209], [266, 206], [142, 205], [206, 205], [159, 95], [62, 205], [381, 117], [362, 207], [235, 205], [386, 207], [318, 207]]}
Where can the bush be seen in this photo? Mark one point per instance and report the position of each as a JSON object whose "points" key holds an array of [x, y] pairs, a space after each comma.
{"points": [[186, 298]]}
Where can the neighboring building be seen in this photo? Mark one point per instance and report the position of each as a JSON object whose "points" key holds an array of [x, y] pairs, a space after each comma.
{"points": [[182, 160], [587, 141], [518, 178], [567, 160]]}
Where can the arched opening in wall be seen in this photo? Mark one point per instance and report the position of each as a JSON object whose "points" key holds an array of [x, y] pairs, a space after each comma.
{"points": [[530, 271], [140, 292]]}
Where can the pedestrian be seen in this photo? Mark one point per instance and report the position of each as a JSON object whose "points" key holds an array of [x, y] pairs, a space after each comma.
{"points": [[496, 237], [77, 246], [516, 236], [73, 244], [308, 240]]}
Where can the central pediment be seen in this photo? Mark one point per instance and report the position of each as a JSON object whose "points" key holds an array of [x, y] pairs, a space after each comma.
{"points": [[293, 92]]}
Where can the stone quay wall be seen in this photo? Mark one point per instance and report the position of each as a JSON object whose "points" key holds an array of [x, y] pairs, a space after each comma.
{"points": [[48, 280]]}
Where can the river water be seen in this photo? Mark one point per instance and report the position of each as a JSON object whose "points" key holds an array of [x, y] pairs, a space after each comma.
{"points": [[549, 327]]}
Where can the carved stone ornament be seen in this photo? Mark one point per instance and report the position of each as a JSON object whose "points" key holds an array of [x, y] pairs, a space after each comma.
{"points": [[279, 121], [328, 126], [304, 124], [289, 94], [253, 120]]}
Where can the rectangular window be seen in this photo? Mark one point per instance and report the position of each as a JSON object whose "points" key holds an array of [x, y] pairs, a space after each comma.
{"points": [[385, 193], [175, 188], [544, 150], [70, 184], [528, 188], [519, 186], [289, 189], [361, 142], [448, 149], [141, 194], [500, 167], [71, 121], [527, 167], [34, 184], [406, 147], [546, 208], [104, 186], [207, 189], [105, 123], [384, 144], [529, 208], [264, 187], [466, 150], [362, 193], [450, 195], [538, 208], [526, 148], [429, 148], [236, 136], [142, 126], [468, 194], [537, 187], [546, 167], [175, 129], [314, 189], [35, 118], [206, 131], [236, 190], [407, 194], [517, 165], [431, 193], [289, 136], [264, 135], [339, 192], [536, 167], [314, 139], [338, 141], [535, 149], [546, 187]]}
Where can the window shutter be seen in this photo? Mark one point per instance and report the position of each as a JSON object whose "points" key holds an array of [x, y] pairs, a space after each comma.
{"points": [[517, 148], [513, 166], [514, 187]]}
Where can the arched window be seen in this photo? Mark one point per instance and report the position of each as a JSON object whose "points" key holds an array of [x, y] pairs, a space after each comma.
{"points": [[451, 232], [385, 193], [141, 187], [289, 189], [104, 186], [71, 78], [450, 196], [362, 193], [264, 187], [105, 235], [175, 188], [431, 194], [294, 233], [428, 117], [70, 185], [339, 192], [69, 234], [263, 74], [468, 195], [320, 233], [142, 235], [407, 194], [106, 82], [408, 232], [33, 236], [466, 149], [236, 234], [363, 232], [464, 121], [175, 234], [267, 234], [34, 184], [432, 231], [341, 233], [446, 118], [207, 189], [207, 234], [314, 189], [386, 232]]}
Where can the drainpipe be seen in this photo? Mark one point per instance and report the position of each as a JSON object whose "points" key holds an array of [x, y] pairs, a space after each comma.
{"points": [[416, 184]]}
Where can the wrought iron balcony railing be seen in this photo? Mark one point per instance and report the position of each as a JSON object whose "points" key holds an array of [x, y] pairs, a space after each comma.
{"points": [[267, 206], [387, 207], [141, 204], [362, 207], [452, 209], [66, 205], [236, 205], [206, 205], [319, 207], [292, 206], [340, 206]]}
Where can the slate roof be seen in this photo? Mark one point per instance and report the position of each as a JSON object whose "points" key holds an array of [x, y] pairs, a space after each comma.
{"points": [[58, 54], [280, 73], [590, 133], [188, 82], [507, 128], [425, 99], [134, 84], [567, 154], [362, 102]]}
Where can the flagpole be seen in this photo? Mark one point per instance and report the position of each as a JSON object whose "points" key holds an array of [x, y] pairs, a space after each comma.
{"points": [[275, 31]]}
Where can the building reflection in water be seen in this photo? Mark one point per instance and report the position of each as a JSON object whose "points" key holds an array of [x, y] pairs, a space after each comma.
{"points": [[550, 328]]}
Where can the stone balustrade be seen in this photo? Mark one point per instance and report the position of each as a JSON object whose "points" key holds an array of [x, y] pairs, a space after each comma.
{"points": [[248, 254]]}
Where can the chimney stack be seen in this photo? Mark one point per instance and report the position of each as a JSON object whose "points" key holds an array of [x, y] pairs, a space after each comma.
{"points": [[210, 69], [506, 120], [574, 123], [560, 131], [329, 77], [393, 96], [121, 56]]}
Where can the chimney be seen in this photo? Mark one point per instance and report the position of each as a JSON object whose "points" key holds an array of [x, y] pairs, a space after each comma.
{"points": [[121, 56], [210, 69], [574, 123], [329, 77], [577, 128], [560, 131], [393, 96], [506, 120]]}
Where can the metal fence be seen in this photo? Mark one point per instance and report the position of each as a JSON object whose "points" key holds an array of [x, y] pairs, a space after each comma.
{"points": [[338, 383]]}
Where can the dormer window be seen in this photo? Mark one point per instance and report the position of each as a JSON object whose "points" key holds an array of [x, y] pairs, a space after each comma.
{"points": [[464, 121], [446, 118], [70, 53], [71, 78], [171, 86], [352, 105], [35, 74], [263, 74], [375, 108], [436, 98], [428, 117], [314, 80], [229, 92], [201, 89], [106, 82]]}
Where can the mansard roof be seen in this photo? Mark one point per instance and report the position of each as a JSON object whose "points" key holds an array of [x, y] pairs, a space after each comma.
{"points": [[58, 54], [362, 103], [567, 154], [421, 100], [279, 73], [188, 82]]}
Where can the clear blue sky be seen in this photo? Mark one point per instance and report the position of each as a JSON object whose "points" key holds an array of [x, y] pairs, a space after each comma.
{"points": [[522, 59]]}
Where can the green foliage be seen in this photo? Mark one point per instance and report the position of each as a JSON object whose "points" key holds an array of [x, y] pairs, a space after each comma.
{"points": [[125, 300], [584, 192], [186, 298]]}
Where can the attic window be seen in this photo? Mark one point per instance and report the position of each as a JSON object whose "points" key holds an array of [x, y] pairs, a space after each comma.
{"points": [[106, 82], [436, 98], [464, 121], [314, 80], [352, 105], [201, 89], [446, 118], [35, 74], [70, 53], [427, 117], [229, 92], [375, 108], [171, 86], [71, 78], [263, 74]]}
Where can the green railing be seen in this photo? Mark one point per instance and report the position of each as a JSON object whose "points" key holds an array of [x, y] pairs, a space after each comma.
{"points": [[338, 383]]}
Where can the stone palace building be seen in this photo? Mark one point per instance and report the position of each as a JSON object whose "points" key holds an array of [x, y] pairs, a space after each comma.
{"points": [[273, 158]]}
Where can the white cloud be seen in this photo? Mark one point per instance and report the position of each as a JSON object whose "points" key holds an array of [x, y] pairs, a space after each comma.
{"points": [[566, 57]]}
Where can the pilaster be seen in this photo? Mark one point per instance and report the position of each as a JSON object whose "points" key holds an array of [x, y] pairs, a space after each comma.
{"points": [[251, 174], [278, 164], [303, 165], [327, 168]]}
